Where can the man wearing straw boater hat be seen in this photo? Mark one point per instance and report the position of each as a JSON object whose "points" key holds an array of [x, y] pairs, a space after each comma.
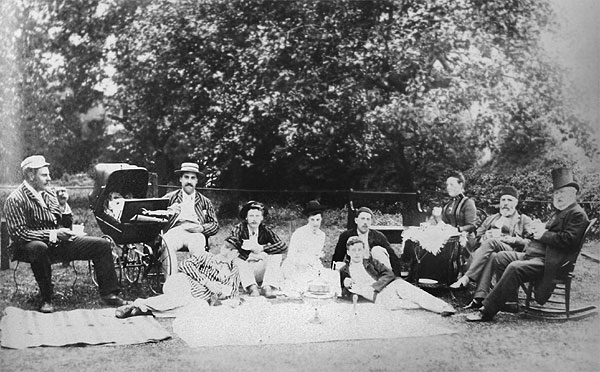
{"points": [[34, 219], [193, 219], [552, 245]]}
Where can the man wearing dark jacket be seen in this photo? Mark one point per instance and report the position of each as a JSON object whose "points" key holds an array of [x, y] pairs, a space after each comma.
{"points": [[551, 246], [377, 245]]}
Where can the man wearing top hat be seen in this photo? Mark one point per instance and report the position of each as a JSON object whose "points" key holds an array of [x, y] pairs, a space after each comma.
{"points": [[376, 244], [552, 245], [260, 251], [506, 230], [34, 219], [192, 217]]}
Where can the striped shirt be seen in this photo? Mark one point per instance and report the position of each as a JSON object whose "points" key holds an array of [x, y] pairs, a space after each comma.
{"points": [[27, 218], [203, 207], [206, 267], [266, 237]]}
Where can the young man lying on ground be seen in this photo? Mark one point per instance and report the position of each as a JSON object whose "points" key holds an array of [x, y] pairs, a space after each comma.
{"points": [[372, 280], [200, 279]]}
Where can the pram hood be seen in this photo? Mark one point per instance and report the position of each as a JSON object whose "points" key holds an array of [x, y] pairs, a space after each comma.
{"points": [[128, 180]]}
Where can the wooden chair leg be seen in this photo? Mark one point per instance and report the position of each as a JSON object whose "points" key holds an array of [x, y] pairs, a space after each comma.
{"points": [[529, 289], [568, 297]]}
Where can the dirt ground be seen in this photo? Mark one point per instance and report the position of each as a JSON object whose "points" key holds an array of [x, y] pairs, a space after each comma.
{"points": [[511, 343]]}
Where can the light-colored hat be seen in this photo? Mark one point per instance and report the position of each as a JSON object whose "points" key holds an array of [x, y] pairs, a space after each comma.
{"points": [[189, 167], [34, 162]]}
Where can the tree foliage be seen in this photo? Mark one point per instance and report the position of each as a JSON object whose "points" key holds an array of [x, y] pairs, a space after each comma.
{"points": [[299, 94]]}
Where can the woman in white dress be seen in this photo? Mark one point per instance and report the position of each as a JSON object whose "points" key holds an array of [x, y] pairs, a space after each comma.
{"points": [[303, 262]]}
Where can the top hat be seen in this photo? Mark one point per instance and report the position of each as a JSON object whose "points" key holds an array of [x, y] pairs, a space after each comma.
{"points": [[313, 207], [252, 205], [509, 190], [563, 177], [188, 167], [34, 162]]}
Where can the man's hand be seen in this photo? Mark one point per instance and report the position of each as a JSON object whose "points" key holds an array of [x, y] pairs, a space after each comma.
{"points": [[214, 287], [508, 239], [348, 282], [254, 247], [366, 291], [63, 234], [257, 256]]}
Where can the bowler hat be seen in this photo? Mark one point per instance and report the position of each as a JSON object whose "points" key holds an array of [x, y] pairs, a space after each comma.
{"points": [[252, 205], [188, 167], [34, 162], [509, 190], [563, 177], [313, 207]]}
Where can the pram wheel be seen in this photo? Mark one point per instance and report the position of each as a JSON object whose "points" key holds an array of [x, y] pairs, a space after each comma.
{"points": [[157, 264], [132, 261], [116, 255]]}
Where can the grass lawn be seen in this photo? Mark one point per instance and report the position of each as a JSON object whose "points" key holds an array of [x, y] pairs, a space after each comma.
{"points": [[509, 343]]}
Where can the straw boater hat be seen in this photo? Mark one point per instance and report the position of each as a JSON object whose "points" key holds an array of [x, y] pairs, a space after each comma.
{"points": [[313, 207], [563, 177], [252, 205], [34, 162], [189, 167]]}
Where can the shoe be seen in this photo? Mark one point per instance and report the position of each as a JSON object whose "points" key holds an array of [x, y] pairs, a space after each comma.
{"points": [[129, 310], [510, 308], [47, 307], [267, 291], [124, 311], [113, 300], [480, 316], [463, 282], [446, 313], [475, 303], [253, 290]]}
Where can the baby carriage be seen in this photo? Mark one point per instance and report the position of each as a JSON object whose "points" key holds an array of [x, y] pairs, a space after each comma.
{"points": [[133, 230]]}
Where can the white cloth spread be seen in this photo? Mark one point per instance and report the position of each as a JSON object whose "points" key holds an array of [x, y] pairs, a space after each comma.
{"points": [[431, 238]]}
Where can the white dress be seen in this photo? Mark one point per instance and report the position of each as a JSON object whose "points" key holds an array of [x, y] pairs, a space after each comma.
{"points": [[303, 262]]}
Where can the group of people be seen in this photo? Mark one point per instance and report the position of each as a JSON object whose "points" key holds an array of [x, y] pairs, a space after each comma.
{"points": [[255, 260], [509, 248]]}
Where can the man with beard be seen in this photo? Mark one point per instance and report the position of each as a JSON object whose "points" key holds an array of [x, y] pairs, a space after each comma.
{"points": [[552, 245], [35, 224], [507, 230], [192, 217], [376, 244]]}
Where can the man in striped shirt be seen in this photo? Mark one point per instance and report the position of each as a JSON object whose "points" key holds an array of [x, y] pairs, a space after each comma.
{"points": [[202, 279], [34, 220], [260, 251], [192, 217]]}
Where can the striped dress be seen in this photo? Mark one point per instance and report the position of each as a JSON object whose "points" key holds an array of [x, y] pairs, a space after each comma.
{"points": [[206, 267]]}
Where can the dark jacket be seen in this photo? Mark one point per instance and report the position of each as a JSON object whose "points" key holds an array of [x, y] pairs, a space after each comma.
{"points": [[381, 274], [375, 239], [266, 237], [565, 230], [460, 212]]}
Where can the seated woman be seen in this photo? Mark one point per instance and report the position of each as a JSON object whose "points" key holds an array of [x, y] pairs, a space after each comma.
{"points": [[459, 211], [303, 261], [373, 281]]}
